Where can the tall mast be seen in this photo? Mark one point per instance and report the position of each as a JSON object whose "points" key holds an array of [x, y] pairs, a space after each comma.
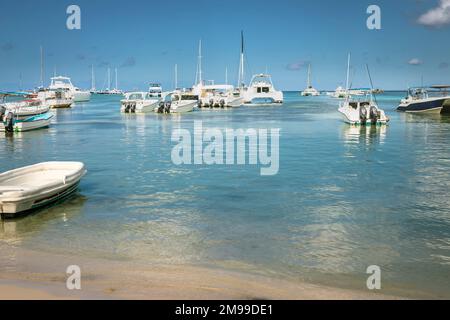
{"points": [[109, 79], [309, 75], [42, 67], [117, 86], [241, 63], [176, 76], [348, 73], [198, 76], [226, 75], [92, 78]]}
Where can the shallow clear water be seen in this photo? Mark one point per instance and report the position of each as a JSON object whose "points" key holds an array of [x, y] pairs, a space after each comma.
{"points": [[344, 198]]}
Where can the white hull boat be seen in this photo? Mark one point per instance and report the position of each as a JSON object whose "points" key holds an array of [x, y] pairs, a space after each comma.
{"points": [[309, 91], [12, 124], [64, 83], [177, 102], [36, 186], [139, 102], [362, 113], [261, 91]]}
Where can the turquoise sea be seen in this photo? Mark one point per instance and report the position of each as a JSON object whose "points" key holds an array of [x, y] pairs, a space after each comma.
{"points": [[344, 198]]}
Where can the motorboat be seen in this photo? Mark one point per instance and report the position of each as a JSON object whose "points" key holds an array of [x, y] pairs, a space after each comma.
{"points": [[217, 96], [178, 101], [421, 100], [340, 93], [155, 90], [55, 98], [139, 102], [25, 108], [362, 112], [12, 123], [310, 91], [32, 187], [65, 83], [262, 91]]}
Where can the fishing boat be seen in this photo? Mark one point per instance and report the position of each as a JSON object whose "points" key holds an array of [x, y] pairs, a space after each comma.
{"points": [[261, 91], [340, 93], [13, 123], [139, 102], [422, 100], [362, 111], [178, 101], [310, 91], [65, 83], [32, 187], [217, 96]]}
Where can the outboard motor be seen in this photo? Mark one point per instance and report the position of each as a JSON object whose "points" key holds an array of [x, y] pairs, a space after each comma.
{"points": [[374, 114], [199, 103], [9, 123], [363, 114], [127, 108], [161, 107], [211, 103], [2, 113], [133, 108], [167, 107], [222, 103]]}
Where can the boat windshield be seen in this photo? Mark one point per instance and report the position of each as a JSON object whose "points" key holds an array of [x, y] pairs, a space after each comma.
{"points": [[135, 96], [189, 97]]}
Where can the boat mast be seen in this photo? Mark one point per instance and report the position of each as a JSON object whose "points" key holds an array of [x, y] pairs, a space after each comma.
{"points": [[176, 76], [92, 78], [109, 79], [117, 86], [226, 75], [309, 76], [42, 67], [198, 75], [348, 74], [241, 63]]}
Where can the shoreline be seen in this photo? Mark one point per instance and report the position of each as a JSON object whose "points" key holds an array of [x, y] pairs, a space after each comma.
{"points": [[38, 275]]}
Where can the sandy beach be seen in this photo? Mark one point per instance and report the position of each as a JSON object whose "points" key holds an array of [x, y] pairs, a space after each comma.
{"points": [[29, 274]]}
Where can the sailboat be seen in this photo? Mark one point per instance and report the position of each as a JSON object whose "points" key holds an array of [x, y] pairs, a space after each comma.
{"points": [[363, 111], [108, 89], [93, 89], [310, 91]]}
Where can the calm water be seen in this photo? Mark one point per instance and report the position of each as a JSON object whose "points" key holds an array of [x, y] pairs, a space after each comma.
{"points": [[344, 198]]}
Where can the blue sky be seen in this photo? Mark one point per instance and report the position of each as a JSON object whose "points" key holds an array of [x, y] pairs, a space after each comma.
{"points": [[145, 39]]}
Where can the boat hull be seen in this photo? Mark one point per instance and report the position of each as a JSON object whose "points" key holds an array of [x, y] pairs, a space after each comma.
{"points": [[184, 107], [23, 126], [81, 96], [137, 107], [430, 106], [39, 186]]}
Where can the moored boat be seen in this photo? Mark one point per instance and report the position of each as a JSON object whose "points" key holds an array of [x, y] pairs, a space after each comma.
{"points": [[419, 100], [32, 187], [178, 102], [139, 102]]}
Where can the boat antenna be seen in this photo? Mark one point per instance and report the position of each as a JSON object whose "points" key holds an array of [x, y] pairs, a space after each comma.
{"points": [[348, 72], [371, 85], [109, 79]]}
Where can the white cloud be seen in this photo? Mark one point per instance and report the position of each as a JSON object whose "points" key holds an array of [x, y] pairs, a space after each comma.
{"points": [[415, 62], [436, 17]]}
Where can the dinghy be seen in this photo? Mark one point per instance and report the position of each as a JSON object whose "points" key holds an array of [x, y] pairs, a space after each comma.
{"points": [[35, 186], [12, 123]]}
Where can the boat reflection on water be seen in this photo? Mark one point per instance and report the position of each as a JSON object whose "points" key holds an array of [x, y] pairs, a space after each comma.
{"points": [[14, 231], [425, 117], [364, 134]]}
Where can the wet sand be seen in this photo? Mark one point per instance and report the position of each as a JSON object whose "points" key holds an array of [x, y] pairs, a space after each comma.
{"points": [[35, 275]]}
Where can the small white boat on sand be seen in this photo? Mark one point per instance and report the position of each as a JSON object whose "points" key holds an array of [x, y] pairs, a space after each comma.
{"points": [[35, 186]]}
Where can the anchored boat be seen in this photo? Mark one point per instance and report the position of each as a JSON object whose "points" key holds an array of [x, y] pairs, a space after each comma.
{"points": [[177, 102], [262, 91], [310, 91], [419, 100], [139, 102], [35, 186]]}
